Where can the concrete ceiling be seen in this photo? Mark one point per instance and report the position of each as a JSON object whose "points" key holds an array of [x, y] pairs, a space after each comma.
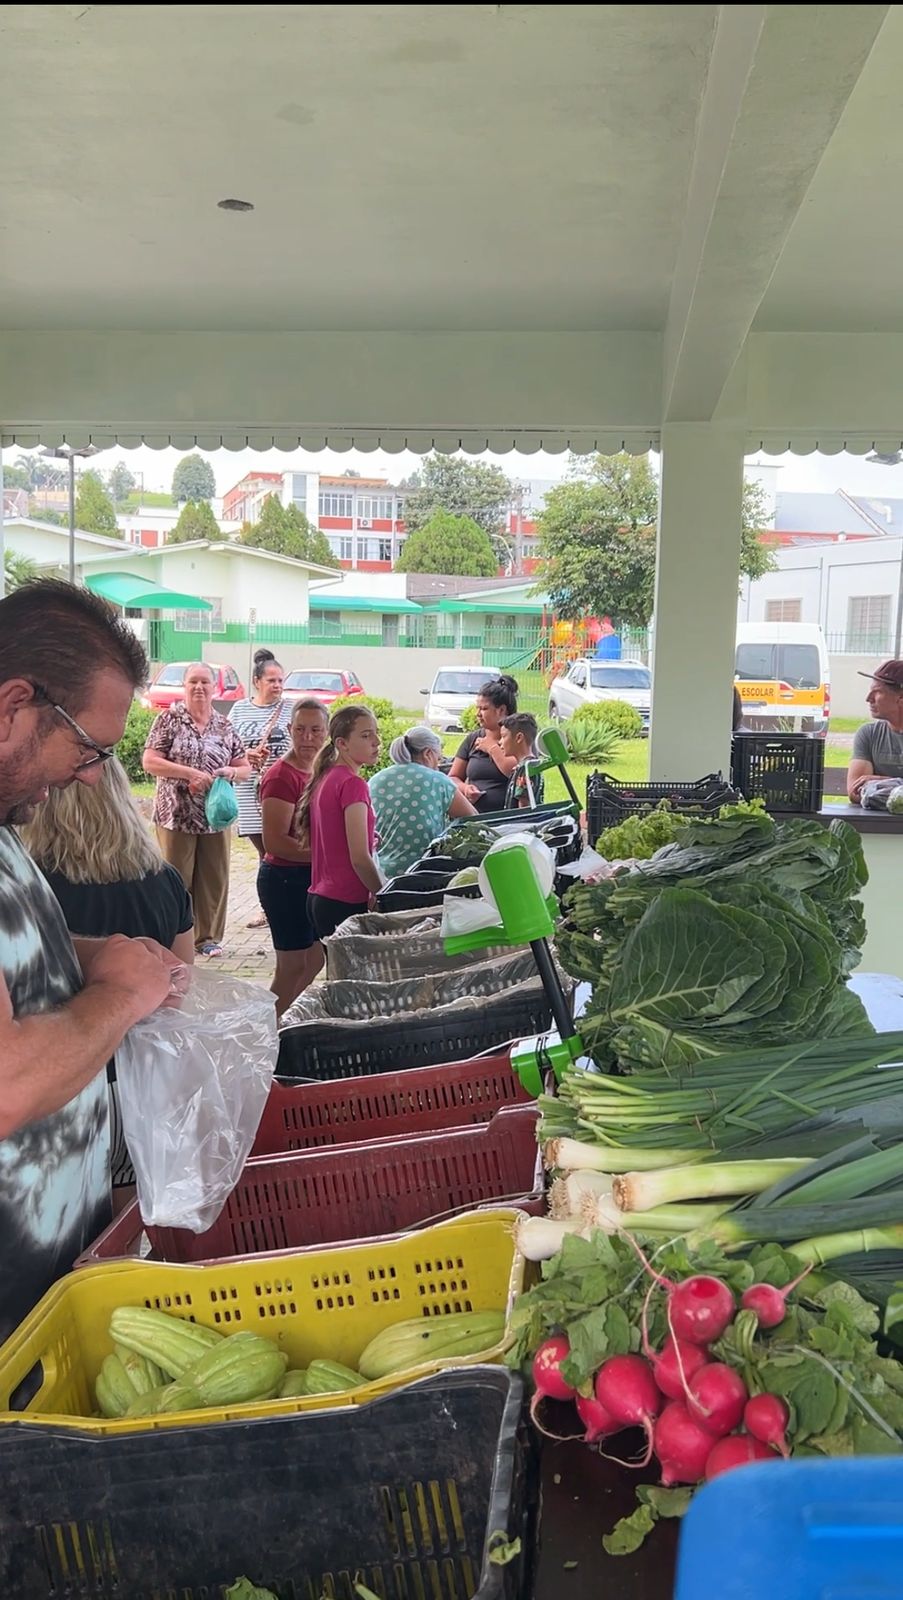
{"points": [[444, 167], [473, 223]]}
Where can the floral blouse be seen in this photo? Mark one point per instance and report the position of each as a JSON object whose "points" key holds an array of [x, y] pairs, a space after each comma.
{"points": [[177, 738]]}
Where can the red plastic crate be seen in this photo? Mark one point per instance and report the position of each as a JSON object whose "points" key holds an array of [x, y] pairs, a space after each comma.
{"points": [[298, 1116], [343, 1193]]}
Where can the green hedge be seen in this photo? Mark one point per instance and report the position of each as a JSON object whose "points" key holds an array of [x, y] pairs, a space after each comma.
{"points": [[131, 746], [624, 720]]}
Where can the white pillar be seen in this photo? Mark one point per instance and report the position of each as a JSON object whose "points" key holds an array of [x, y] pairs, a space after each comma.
{"points": [[697, 580]]}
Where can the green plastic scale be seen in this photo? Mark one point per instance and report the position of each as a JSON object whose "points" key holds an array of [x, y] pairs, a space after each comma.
{"points": [[527, 917]]}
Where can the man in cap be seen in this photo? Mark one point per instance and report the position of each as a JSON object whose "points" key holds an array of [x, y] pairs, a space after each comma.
{"points": [[68, 670], [878, 745]]}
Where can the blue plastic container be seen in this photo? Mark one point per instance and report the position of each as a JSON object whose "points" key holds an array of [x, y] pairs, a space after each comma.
{"points": [[796, 1530]]}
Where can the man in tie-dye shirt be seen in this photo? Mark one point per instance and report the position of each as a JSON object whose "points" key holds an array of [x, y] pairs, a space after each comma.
{"points": [[68, 671]]}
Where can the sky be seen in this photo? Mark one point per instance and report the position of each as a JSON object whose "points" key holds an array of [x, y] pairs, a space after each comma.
{"points": [[812, 473]]}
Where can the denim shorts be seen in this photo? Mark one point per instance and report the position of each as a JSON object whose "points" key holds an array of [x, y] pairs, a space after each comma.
{"points": [[282, 892]]}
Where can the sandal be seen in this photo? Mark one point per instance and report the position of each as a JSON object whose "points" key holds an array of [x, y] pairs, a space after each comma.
{"points": [[210, 948]]}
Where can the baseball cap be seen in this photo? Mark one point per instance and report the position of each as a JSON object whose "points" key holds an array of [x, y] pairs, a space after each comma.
{"points": [[890, 673]]}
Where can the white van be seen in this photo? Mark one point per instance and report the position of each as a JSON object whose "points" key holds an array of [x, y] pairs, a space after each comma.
{"points": [[784, 677]]}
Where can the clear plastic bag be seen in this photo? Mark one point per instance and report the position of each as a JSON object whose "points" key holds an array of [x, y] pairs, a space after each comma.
{"points": [[193, 1083], [877, 794]]}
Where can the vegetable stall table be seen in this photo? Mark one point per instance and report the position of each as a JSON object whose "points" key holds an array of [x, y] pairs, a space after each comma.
{"points": [[584, 1495]]}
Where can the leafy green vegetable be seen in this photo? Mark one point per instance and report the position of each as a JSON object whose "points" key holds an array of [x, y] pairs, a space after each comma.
{"points": [[244, 1589], [654, 1502], [638, 838], [503, 1550], [741, 932]]}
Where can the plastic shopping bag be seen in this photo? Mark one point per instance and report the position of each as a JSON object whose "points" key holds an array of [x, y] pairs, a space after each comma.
{"points": [[221, 806], [193, 1083], [882, 794]]}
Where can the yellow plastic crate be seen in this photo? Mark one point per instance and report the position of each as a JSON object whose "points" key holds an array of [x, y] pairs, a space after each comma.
{"points": [[325, 1303]]}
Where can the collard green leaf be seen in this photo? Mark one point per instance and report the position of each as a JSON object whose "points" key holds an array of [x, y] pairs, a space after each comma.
{"points": [[686, 959], [665, 1502]]}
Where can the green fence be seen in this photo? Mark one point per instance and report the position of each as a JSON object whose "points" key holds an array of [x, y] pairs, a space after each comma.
{"points": [[500, 645]]}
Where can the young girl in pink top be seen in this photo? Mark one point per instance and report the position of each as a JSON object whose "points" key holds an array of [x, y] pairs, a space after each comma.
{"points": [[336, 805]]}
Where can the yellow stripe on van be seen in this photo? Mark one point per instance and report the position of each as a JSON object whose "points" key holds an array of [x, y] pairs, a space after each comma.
{"points": [[753, 694]]}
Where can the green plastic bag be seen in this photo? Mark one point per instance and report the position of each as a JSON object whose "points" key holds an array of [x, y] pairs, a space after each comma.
{"points": [[221, 805]]}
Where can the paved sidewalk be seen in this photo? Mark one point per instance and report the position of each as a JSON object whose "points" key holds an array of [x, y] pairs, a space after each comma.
{"points": [[246, 951]]}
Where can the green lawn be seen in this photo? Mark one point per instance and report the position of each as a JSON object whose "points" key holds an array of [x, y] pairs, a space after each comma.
{"points": [[845, 724]]}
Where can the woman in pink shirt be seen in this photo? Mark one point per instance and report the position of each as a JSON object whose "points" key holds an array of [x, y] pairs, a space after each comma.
{"points": [[283, 880], [336, 805]]}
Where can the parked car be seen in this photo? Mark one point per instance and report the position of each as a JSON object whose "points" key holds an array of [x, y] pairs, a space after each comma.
{"points": [[588, 680], [167, 685], [453, 689], [322, 683]]}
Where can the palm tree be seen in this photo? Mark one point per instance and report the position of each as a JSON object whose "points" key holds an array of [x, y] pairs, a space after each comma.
{"points": [[17, 570]]}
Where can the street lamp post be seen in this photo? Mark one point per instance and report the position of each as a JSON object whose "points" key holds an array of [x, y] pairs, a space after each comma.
{"points": [[68, 453]]}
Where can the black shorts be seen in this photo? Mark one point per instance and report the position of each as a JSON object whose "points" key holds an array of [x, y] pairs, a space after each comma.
{"points": [[327, 914], [282, 892]]}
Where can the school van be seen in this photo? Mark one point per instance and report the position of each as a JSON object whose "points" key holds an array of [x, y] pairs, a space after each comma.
{"points": [[782, 672]]}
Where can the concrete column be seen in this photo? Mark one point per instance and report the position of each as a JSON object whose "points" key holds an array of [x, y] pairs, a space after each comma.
{"points": [[697, 582]]}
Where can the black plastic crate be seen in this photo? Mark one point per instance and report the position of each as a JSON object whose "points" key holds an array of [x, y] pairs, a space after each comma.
{"points": [[401, 1494], [786, 770], [338, 1049], [609, 802]]}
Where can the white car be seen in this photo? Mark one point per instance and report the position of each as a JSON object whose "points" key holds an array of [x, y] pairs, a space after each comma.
{"points": [[589, 680], [454, 689]]}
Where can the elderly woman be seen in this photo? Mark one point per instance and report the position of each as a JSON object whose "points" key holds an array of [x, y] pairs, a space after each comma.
{"points": [[187, 747], [413, 800]]}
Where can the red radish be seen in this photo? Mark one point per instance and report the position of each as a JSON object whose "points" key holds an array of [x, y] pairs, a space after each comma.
{"points": [[547, 1376], [626, 1388], [682, 1444], [699, 1309], [717, 1395], [767, 1302], [597, 1421], [737, 1451], [666, 1367], [766, 1417], [547, 1369]]}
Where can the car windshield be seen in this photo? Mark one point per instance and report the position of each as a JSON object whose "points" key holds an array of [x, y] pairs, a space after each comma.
{"points": [[324, 682], [460, 682], [173, 676], [620, 677], [795, 664]]}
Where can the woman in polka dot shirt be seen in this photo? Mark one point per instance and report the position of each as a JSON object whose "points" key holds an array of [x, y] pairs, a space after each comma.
{"points": [[413, 800]]}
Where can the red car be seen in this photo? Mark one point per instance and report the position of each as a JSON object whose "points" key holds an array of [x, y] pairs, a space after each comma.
{"points": [[167, 686], [321, 684]]}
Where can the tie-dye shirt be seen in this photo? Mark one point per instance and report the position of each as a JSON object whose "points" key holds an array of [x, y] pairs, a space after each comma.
{"points": [[55, 1173]]}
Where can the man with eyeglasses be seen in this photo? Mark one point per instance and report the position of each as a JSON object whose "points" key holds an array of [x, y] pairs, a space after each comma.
{"points": [[68, 671]]}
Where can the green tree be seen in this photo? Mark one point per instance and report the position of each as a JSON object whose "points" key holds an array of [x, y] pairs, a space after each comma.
{"points": [[121, 483], [40, 473], [449, 544], [94, 510], [196, 521], [17, 570], [16, 478], [757, 542], [597, 541], [193, 479], [286, 531], [467, 488]]}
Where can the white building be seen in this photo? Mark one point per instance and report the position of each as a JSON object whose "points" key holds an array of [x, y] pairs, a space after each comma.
{"points": [[851, 589]]}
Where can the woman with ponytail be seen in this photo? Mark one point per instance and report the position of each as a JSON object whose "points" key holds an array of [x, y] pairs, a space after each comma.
{"points": [[413, 800], [337, 810]]}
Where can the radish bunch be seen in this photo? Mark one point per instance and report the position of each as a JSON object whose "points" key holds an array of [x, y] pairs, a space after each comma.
{"points": [[695, 1411]]}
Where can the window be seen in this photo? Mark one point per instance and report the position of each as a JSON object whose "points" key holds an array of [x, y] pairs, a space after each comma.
{"points": [[368, 550], [795, 664], [868, 622], [318, 682], [335, 505], [783, 610], [299, 490], [463, 681], [385, 550], [173, 676], [578, 674], [340, 546], [201, 621], [371, 506], [399, 511], [620, 678], [231, 678]]}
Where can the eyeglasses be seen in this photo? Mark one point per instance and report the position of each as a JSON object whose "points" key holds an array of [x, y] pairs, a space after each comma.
{"points": [[101, 752]]}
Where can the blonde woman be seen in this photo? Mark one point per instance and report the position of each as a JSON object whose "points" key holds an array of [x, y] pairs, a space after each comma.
{"points": [[105, 868], [103, 865]]}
